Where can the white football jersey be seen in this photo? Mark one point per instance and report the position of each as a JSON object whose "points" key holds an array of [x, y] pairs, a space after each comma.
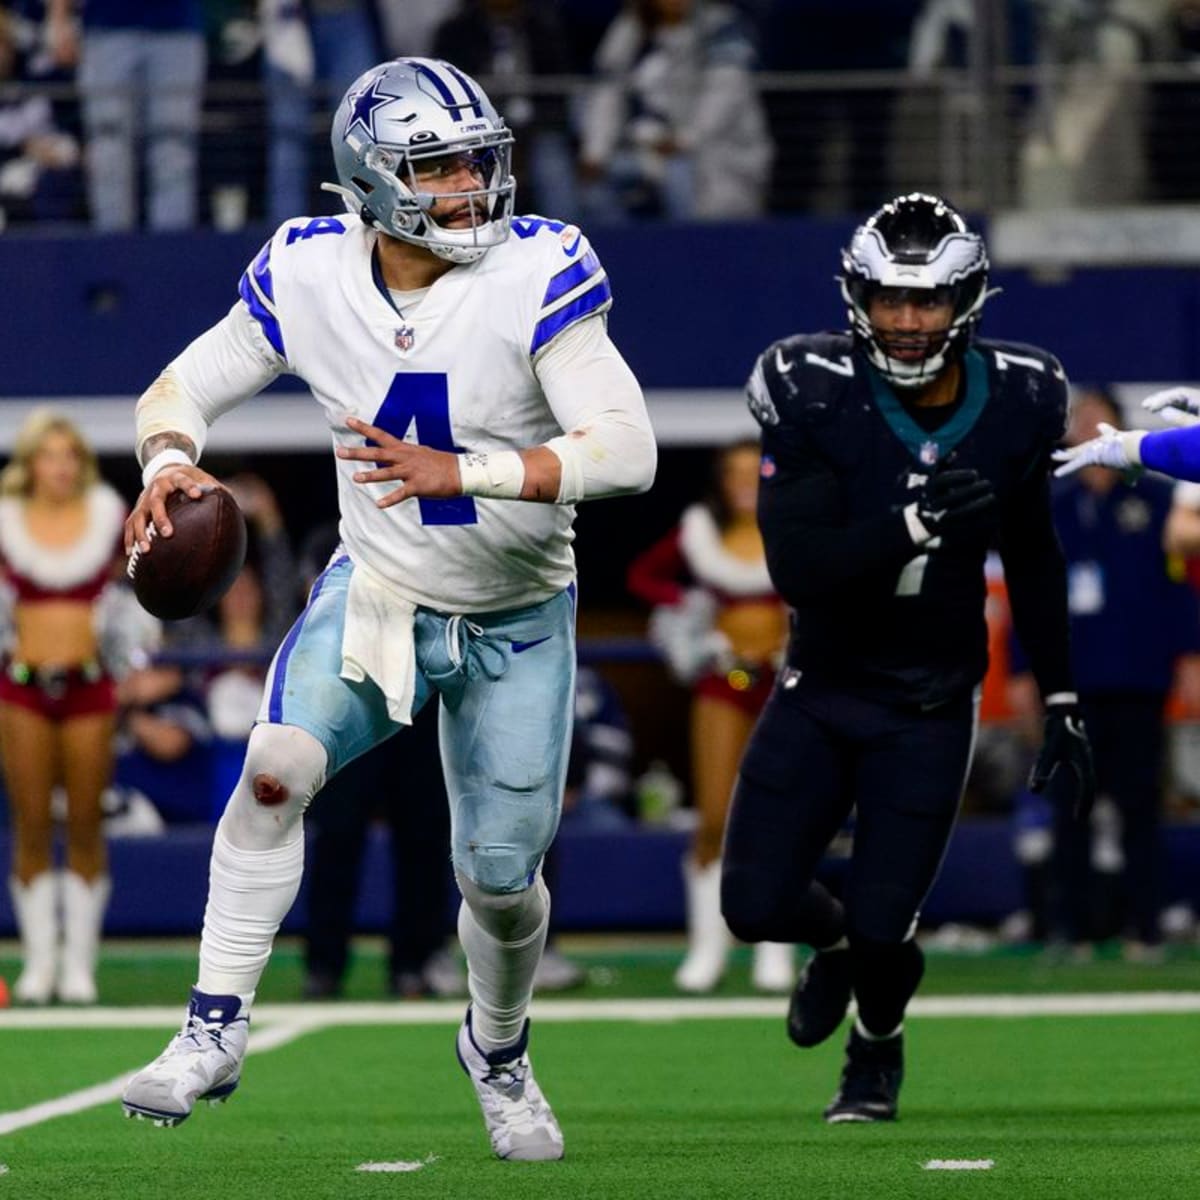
{"points": [[455, 373]]}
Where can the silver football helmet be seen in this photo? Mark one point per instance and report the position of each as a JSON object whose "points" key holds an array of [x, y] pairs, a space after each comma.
{"points": [[916, 242], [395, 119]]}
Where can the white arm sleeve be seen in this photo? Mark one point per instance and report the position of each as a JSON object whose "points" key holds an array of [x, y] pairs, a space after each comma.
{"points": [[225, 365], [608, 446]]}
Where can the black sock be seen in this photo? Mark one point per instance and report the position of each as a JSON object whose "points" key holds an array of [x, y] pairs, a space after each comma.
{"points": [[886, 975]]}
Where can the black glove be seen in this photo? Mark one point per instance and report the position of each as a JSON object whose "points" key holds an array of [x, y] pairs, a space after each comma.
{"points": [[955, 501], [1064, 769]]}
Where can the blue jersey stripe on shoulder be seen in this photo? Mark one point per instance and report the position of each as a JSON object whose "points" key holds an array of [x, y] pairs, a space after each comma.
{"points": [[590, 302], [262, 314], [571, 277], [261, 270]]}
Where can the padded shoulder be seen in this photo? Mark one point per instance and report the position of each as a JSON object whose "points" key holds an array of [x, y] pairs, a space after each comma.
{"points": [[801, 374], [1029, 381]]}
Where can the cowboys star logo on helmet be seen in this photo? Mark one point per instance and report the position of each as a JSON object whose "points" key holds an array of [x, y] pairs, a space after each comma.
{"points": [[364, 102], [410, 117], [917, 244]]}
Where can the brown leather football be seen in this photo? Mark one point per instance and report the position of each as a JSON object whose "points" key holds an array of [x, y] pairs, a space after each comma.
{"points": [[191, 570]]}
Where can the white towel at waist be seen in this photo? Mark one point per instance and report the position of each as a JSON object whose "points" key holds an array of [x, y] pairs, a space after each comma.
{"points": [[377, 642]]}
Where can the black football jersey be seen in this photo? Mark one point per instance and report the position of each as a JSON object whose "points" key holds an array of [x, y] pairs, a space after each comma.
{"points": [[843, 456]]}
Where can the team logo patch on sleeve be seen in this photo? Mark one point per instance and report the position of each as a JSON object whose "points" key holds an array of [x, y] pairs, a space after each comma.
{"points": [[767, 468]]}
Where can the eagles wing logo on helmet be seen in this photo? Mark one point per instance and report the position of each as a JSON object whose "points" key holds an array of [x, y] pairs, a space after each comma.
{"points": [[392, 122], [920, 242]]}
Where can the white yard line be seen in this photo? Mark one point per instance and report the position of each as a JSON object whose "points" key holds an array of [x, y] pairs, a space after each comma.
{"points": [[103, 1093], [450, 1012], [278, 1024]]}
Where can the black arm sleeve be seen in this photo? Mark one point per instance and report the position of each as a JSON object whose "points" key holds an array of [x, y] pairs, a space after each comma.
{"points": [[1036, 574], [812, 552]]}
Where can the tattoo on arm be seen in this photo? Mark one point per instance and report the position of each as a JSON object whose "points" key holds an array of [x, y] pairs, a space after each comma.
{"points": [[157, 442]]}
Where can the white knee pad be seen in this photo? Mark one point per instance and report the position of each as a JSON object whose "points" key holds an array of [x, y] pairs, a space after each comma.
{"points": [[508, 916], [284, 769]]}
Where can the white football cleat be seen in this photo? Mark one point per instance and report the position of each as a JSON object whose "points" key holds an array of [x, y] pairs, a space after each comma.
{"points": [[518, 1119], [203, 1061]]}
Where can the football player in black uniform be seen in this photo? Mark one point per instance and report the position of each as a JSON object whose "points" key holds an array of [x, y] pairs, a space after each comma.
{"points": [[894, 456]]}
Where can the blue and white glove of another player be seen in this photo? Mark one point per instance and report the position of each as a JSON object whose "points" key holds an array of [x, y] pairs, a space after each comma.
{"points": [[1176, 405], [1115, 448]]}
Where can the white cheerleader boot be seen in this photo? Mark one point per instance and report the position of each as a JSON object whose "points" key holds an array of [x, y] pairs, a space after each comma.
{"points": [[35, 905], [708, 935], [774, 968], [83, 915]]}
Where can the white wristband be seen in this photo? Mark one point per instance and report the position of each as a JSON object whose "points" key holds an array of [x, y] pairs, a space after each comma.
{"points": [[164, 458], [496, 476]]}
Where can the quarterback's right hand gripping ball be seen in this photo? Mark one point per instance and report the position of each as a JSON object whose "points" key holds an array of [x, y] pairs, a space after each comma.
{"points": [[188, 572]]}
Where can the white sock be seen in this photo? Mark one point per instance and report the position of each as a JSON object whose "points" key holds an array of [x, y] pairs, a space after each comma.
{"points": [[249, 894], [503, 942]]}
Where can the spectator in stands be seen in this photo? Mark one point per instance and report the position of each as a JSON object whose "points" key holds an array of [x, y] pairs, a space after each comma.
{"points": [[419, 840], [1134, 623], [69, 631], [674, 125], [511, 41], [833, 143], [37, 159], [409, 26], [313, 50], [141, 75], [162, 743], [600, 769], [722, 629]]}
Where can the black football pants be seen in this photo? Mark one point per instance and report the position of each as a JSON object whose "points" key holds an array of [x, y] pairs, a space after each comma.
{"points": [[814, 755]]}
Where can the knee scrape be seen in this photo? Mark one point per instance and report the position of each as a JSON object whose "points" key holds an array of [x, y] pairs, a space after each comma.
{"points": [[268, 790]]}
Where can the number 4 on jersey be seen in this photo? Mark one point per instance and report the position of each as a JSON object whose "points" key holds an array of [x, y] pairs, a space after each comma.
{"points": [[423, 399]]}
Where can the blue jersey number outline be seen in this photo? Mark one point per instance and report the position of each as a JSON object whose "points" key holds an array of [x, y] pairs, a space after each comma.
{"points": [[423, 398]]}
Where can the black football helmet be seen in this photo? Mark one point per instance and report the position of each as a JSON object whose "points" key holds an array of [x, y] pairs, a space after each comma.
{"points": [[915, 242]]}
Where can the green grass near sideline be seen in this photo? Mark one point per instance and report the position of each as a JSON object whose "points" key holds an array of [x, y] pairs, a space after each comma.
{"points": [[162, 973], [1102, 1108]]}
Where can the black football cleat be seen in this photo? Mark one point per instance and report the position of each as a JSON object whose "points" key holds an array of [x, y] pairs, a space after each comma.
{"points": [[871, 1078], [820, 998]]}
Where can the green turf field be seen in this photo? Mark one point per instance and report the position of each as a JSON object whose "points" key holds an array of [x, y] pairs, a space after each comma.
{"points": [[1089, 1106]]}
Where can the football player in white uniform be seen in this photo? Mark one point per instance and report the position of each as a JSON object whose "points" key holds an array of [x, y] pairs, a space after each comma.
{"points": [[474, 397]]}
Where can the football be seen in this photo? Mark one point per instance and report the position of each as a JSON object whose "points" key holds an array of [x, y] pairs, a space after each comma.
{"points": [[191, 570]]}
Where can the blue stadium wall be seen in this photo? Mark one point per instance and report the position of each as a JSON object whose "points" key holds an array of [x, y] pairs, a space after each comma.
{"points": [[694, 305]]}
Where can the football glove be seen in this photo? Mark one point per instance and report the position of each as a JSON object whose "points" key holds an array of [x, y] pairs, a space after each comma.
{"points": [[1119, 449], [1177, 405], [1064, 771], [955, 502]]}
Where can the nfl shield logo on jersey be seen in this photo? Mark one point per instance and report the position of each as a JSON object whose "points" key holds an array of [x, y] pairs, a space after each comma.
{"points": [[405, 337], [929, 453]]}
